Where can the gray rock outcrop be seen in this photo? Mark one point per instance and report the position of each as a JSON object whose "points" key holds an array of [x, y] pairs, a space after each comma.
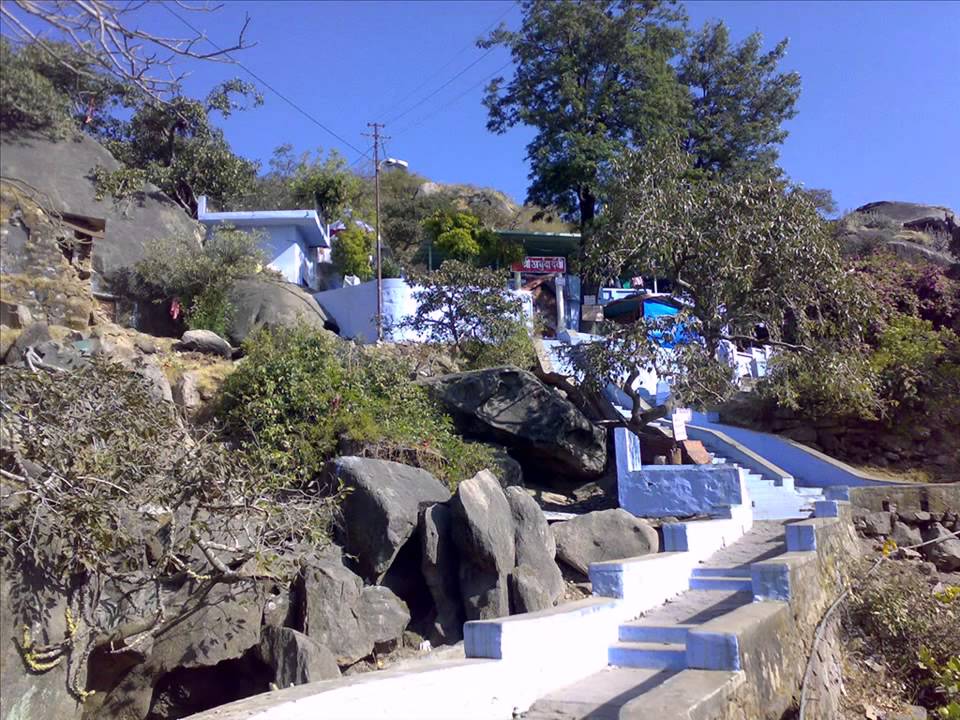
{"points": [[338, 612], [440, 570], [62, 173], [603, 535], [511, 407], [536, 552], [945, 553], [484, 536], [294, 658], [381, 511]]}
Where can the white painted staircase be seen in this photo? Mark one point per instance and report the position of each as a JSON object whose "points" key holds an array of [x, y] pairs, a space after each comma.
{"points": [[776, 499]]}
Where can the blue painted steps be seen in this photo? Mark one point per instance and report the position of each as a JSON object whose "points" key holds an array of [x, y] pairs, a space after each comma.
{"points": [[648, 655], [637, 632], [714, 582]]}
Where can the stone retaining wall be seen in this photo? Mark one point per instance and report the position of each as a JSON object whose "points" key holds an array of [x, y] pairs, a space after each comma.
{"points": [[935, 498]]}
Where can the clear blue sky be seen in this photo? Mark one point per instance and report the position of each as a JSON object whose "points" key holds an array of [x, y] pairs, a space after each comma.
{"points": [[879, 114]]}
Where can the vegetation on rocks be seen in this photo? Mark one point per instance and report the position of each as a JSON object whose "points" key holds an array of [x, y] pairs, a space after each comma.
{"points": [[301, 397], [198, 276], [105, 492], [911, 626]]}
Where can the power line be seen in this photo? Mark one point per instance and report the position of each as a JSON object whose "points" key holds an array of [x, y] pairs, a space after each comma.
{"points": [[448, 63], [452, 101], [447, 83], [251, 73]]}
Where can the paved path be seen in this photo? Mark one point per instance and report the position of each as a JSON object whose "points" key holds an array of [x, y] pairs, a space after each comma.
{"points": [[601, 695]]}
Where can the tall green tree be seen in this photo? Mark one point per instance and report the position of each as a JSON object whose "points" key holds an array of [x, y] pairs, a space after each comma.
{"points": [[462, 236], [176, 147], [739, 101], [593, 79]]}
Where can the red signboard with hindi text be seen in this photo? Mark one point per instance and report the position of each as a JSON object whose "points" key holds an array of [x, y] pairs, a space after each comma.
{"points": [[541, 265]]}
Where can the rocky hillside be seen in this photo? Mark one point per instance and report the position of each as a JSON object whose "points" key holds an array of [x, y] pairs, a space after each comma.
{"points": [[911, 230]]}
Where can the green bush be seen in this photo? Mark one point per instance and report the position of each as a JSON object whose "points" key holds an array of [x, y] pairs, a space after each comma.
{"points": [[351, 252], [200, 276], [302, 397]]}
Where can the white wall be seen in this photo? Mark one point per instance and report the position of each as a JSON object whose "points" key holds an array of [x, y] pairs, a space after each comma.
{"points": [[354, 309]]}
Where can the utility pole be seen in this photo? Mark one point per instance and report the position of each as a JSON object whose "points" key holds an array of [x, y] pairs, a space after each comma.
{"points": [[377, 127]]}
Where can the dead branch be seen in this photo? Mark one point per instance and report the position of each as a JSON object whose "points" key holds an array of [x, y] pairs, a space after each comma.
{"points": [[106, 36]]}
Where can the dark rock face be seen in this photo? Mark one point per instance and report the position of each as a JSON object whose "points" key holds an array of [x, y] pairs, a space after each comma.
{"points": [[483, 533], [61, 171], [381, 512], [24, 695], [261, 301], [224, 628], [603, 535], [944, 554], [544, 431], [536, 550], [205, 341], [507, 470], [439, 565], [294, 658], [338, 612]]}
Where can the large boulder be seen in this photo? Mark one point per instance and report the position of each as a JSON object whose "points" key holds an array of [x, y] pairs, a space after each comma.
{"points": [[945, 551], [603, 535], [483, 533], [536, 550], [62, 173], [550, 437], [440, 570], [263, 302], [294, 658], [205, 341], [527, 593], [338, 612], [381, 511]]}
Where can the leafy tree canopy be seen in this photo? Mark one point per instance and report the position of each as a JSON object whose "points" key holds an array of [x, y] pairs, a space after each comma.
{"points": [[470, 310], [593, 78], [39, 92], [176, 147], [739, 101], [462, 236]]}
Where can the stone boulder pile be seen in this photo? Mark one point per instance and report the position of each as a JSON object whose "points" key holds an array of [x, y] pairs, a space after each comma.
{"points": [[933, 532]]}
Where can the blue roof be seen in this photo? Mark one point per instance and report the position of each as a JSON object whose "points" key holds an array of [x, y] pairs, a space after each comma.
{"points": [[307, 221]]}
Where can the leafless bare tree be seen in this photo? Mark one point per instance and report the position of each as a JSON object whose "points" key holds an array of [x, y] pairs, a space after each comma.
{"points": [[107, 35]]}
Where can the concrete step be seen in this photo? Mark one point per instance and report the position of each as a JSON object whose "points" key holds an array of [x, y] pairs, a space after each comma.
{"points": [[737, 584], [648, 655], [638, 631], [723, 572]]}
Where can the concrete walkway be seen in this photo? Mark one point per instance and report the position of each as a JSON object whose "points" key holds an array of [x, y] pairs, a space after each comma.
{"points": [[652, 648]]}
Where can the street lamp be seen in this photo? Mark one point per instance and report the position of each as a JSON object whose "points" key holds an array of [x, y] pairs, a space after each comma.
{"points": [[386, 162]]}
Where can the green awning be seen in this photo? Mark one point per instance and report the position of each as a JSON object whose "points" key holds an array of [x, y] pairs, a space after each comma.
{"points": [[544, 244]]}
